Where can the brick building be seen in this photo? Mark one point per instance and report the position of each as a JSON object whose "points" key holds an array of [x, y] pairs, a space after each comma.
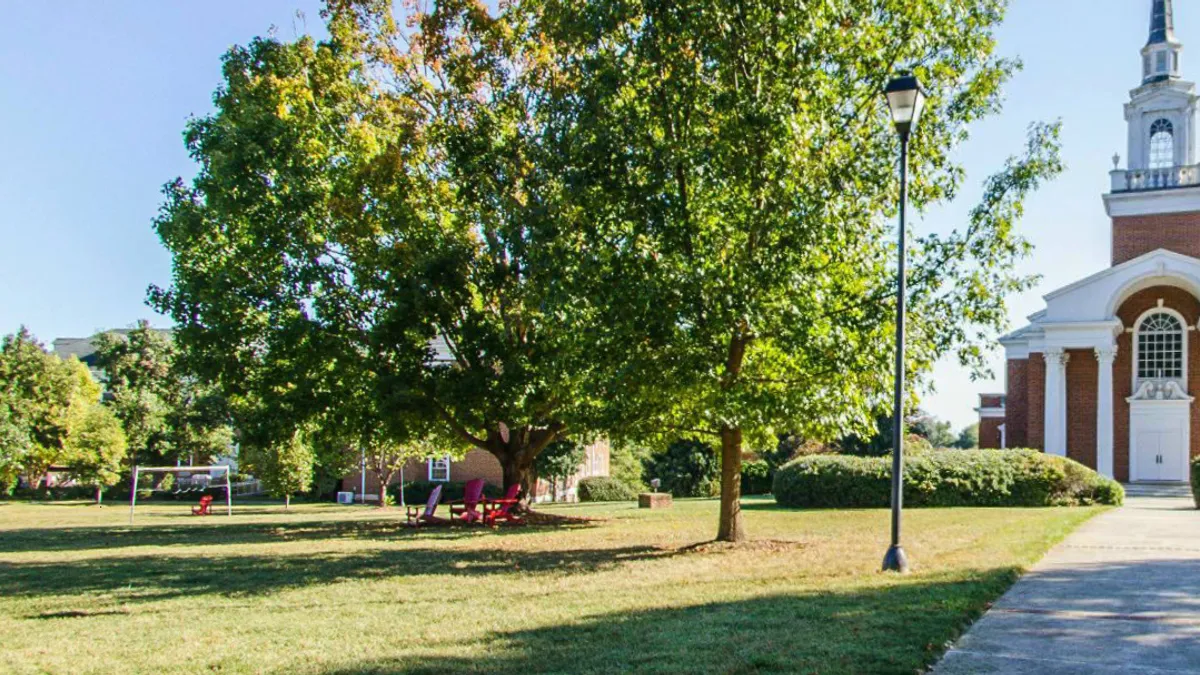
{"points": [[481, 464], [1106, 373]]}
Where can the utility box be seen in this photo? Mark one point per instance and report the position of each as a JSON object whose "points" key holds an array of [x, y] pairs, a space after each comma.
{"points": [[345, 497]]}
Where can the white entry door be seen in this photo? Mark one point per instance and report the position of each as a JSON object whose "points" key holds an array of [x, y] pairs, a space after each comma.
{"points": [[1161, 455]]}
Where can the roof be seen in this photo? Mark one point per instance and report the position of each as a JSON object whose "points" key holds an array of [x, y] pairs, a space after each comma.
{"points": [[84, 348], [1162, 23]]}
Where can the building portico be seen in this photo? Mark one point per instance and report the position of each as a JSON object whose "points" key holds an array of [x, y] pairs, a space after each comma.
{"points": [[1105, 374], [1079, 338]]}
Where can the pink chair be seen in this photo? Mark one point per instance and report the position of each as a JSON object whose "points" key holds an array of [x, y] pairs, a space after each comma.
{"points": [[501, 509], [417, 518], [466, 510]]}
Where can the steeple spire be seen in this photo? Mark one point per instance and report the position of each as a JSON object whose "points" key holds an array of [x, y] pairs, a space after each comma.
{"points": [[1162, 23], [1160, 56]]}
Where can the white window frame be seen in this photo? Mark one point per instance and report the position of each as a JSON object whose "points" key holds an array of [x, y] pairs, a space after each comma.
{"points": [[1165, 127], [435, 464], [1137, 329]]}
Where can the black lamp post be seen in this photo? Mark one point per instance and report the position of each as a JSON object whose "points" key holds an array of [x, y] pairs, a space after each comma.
{"points": [[905, 99]]}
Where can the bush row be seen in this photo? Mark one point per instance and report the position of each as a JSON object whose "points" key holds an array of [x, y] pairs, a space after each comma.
{"points": [[944, 478], [1196, 480], [605, 489]]}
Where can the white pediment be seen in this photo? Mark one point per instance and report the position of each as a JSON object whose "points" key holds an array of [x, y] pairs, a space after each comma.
{"points": [[1097, 297]]}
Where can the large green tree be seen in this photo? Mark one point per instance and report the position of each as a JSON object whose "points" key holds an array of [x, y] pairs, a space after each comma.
{"points": [[137, 367], [731, 175], [166, 411], [51, 414], [36, 394], [354, 252]]}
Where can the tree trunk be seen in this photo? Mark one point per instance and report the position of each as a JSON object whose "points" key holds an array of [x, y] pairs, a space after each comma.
{"points": [[516, 471], [99, 494], [287, 502], [730, 525]]}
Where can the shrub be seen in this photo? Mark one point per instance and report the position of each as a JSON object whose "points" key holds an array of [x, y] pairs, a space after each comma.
{"points": [[688, 468], [944, 478], [605, 489], [756, 477], [417, 492], [1196, 480]]}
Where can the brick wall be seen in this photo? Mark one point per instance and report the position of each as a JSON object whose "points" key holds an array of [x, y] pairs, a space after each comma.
{"points": [[1082, 375], [989, 432], [991, 400], [1017, 409], [1187, 305], [1133, 236], [483, 464], [1035, 434]]}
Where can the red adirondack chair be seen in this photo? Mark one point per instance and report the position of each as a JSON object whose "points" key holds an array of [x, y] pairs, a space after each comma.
{"points": [[466, 510], [501, 509], [417, 517], [204, 509]]}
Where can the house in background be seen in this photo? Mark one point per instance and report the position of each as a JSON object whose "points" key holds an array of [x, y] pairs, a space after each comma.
{"points": [[84, 348], [482, 464], [1108, 372]]}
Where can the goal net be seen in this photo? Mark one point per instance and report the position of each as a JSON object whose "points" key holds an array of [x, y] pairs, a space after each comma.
{"points": [[183, 482]]}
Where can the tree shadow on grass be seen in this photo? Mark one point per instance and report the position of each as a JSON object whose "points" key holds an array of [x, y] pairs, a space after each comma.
{"points": [[220, 533], [152, 578], [884, 628]]}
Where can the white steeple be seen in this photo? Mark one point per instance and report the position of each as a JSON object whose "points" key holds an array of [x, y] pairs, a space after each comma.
{"points": [[1160, 56], [1161, 112]]}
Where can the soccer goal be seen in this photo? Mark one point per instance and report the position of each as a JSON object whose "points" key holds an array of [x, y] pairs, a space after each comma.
{"points": [[199, 479]]}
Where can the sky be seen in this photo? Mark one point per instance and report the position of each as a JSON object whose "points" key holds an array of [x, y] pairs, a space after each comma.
{"points": [[94, 97]]}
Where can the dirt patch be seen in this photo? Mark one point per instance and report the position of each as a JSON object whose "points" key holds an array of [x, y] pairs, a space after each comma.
{"points": [[552, 519], [753, 545]]}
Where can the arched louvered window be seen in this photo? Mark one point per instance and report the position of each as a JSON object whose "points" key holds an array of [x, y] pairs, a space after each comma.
{"points": [[1162, 144], [1160, 347]]}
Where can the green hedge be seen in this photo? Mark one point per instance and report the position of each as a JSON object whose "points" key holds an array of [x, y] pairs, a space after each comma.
{"points": [[944, 478], [1196, 480], [756, 477], [417, 492], [605, 489]]}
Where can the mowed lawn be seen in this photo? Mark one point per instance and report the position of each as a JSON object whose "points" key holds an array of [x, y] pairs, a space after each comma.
{"points": [[329, 589]]}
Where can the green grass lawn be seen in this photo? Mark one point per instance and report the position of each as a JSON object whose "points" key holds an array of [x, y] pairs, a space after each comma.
{"points": [[329, 589]]}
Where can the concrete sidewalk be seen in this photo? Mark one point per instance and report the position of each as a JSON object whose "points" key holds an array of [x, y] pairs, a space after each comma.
{"points": [[1119, 595]]}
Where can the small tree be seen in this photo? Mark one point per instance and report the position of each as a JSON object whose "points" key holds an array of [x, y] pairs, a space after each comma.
{"points": [[936, 431], [285, 467], [96, 447], [558, 462], [385, 460], [969, 437]]}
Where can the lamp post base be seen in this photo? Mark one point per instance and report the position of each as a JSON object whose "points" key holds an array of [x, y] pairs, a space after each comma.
{"points": [[896, 560]]}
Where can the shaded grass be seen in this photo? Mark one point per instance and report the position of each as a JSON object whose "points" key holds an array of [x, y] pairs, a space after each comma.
{"points": [[324, 589]]}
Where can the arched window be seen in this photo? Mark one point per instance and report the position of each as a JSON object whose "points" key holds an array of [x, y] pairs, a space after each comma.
{"points": [[1162, 145], [1160, 347]]}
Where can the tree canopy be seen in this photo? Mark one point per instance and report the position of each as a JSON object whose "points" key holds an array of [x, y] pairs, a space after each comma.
{"points": [[731, 182], [353, 253], [651, 219], [51, 415]]}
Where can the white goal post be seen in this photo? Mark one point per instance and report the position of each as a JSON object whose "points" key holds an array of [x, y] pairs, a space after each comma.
{"points": [[137, 470]]}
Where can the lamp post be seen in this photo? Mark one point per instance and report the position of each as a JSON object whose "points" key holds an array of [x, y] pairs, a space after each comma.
{"points": [[905, 99]]}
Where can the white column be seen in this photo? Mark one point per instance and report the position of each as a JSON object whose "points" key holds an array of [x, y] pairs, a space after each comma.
{"points": [[1055, 419], [1104, 410]]}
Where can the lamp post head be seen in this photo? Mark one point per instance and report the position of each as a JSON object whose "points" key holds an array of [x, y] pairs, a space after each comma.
{"points": [[906, 99]]}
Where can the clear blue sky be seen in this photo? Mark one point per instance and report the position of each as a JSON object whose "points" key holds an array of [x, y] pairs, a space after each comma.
{"points": [[95, 96]]}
